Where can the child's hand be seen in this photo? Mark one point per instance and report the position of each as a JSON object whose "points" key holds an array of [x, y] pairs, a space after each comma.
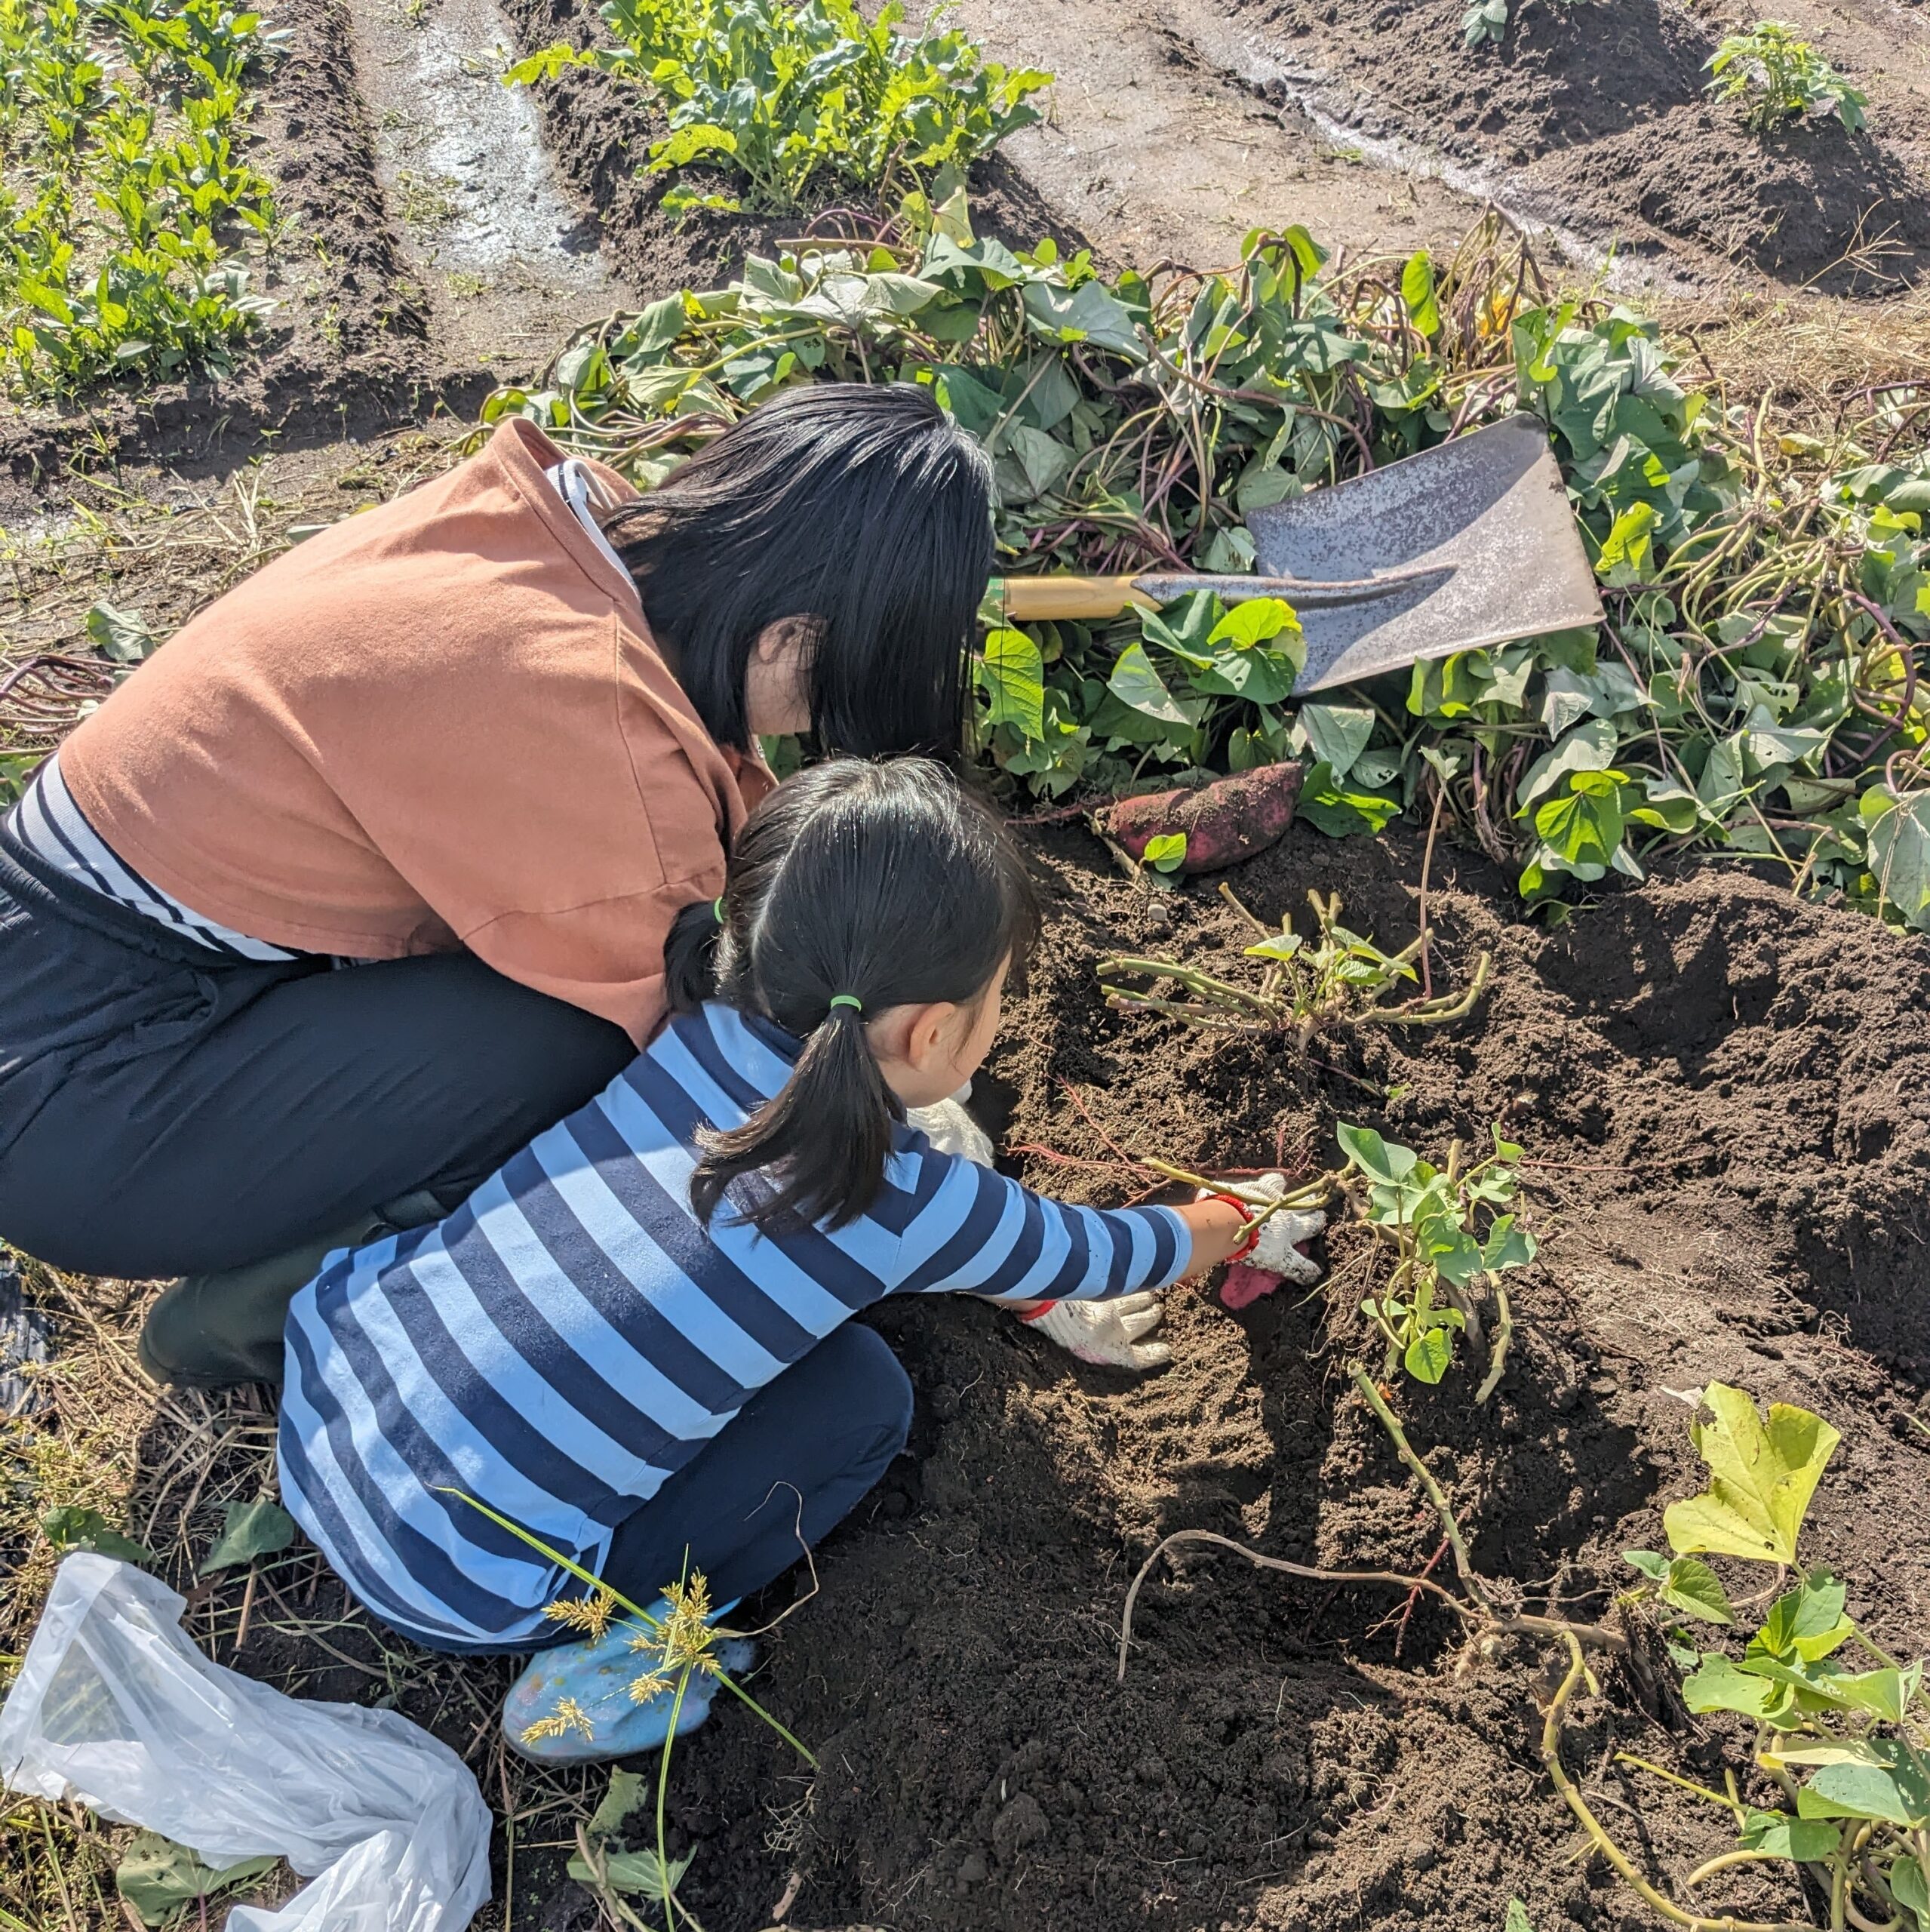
{"points": [[1276, 1258], [1277, 1251], [1105, 1333], [1275, 1255]]}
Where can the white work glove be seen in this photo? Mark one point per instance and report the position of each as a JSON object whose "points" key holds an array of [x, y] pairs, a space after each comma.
{"points": [[1278, 1251], [950, 1130], [1106, 1332]]}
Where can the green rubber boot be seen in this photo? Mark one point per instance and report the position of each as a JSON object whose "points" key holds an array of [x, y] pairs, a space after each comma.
{"points": [[210, 1331]]}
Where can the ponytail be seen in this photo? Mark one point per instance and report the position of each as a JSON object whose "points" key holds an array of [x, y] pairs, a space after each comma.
{"points": [[827, 1136], [690, 957], [853, 888]]}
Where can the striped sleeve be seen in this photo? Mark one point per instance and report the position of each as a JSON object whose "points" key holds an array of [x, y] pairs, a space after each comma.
{"points": [[50, 826], [979, 1233]]}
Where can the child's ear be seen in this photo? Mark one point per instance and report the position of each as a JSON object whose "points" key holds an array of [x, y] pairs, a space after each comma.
{"points": [[927, 1037]]}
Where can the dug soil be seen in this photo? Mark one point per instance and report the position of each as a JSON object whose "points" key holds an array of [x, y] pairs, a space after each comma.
{"points": [[1725, 1098], [1596, 119]]}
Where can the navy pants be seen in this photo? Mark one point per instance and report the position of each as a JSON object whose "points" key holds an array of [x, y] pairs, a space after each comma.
{"points": [[790, 1465], [165, 1110]]}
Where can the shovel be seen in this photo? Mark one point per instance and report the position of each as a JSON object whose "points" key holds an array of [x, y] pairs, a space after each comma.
{"points": [[1470, 544]]}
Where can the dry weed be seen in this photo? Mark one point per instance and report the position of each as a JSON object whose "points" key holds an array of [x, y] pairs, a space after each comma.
{"points": [[163, 1465], [1816, 358]]}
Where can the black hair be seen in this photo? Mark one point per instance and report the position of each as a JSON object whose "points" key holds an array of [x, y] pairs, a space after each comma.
{"points": [[862, 510], [887, 882]]}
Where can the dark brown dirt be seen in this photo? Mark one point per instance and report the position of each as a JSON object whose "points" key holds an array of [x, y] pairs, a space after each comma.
{"points": [[341, 355], [1723, 1098], [1593, 117], [1727, 1095]]}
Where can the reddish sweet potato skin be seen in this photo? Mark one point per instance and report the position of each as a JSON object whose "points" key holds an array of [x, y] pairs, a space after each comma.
{"points": [[1243, 1286], [1229, 821]]}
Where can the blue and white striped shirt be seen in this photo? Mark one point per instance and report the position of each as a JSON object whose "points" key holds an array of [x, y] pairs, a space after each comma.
{"points": [[572, 1335], [49, 823]]}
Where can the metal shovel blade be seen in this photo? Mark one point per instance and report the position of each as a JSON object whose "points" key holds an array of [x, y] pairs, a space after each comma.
{"points": [[1475, 540]]}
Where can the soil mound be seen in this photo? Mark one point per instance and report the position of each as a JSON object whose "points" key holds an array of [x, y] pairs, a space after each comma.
{"points": [[1725, 1094], [1595, 118], [599, 130]]}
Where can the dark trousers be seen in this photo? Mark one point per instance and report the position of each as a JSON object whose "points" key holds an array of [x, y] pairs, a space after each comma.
{"points": [[789, 1466], [166, 1111]]}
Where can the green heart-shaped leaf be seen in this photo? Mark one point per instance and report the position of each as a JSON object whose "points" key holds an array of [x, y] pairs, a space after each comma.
{"points": [[159, 1877], [252, 1530], [1762, 1479]]}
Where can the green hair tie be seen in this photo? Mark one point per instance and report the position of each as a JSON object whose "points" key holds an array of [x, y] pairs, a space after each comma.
{"points": [[716, 909], [848, 999]]}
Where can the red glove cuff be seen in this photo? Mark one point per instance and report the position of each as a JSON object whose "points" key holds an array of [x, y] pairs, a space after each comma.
{"points": [[1044, 1308], [1246, 1207]]}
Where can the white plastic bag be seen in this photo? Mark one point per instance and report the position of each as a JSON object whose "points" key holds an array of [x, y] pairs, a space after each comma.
{"points": [[117, 1709]]}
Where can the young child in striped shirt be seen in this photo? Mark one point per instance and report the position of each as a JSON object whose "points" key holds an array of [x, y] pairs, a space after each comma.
{"points": [[634, 1341]]}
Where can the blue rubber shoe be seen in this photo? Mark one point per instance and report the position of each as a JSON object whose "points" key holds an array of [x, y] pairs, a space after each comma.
{"points": [[572, 1705]]}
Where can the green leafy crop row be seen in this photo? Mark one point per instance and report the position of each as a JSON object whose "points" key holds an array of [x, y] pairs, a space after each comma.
{"points": [[797, 101], [1754, 690], [123, 188]]}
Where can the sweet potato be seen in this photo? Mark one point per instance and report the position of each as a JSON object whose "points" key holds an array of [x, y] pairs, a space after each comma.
{"points": [[1225, 822], [1243, 1286]]}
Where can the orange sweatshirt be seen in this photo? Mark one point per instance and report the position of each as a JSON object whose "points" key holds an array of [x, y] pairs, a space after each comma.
{"points": [[441, 723]]}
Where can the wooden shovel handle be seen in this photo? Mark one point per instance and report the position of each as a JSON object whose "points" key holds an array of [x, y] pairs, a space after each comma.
{"points": [[1031, 600]]}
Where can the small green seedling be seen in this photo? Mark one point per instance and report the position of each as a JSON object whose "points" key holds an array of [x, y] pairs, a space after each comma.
{"points": [[1781, 77], [1685, 1584], [606, 1862], [1329, 978], [73, 1526], [1487, 20], [249, 1530], [1167, 852], [1840, 1756], [1433, 1216], [123, 635]]}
